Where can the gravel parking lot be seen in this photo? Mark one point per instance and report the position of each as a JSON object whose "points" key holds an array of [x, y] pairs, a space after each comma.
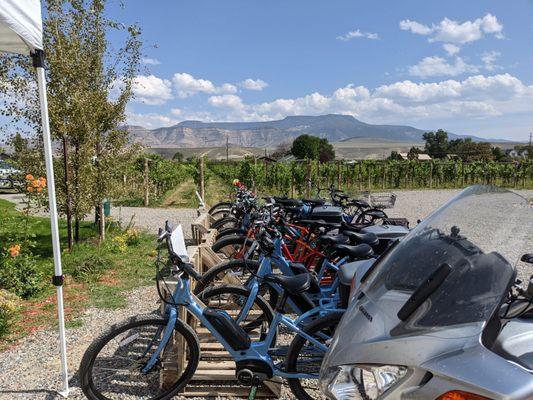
{"points": [[30, 370]]}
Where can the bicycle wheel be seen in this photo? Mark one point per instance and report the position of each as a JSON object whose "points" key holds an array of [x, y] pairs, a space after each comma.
{"points": [[235, 272], [221, 205], [230, 231], [231, 298], [305, 357], [225, 223], [233, 247], [221, 213], [111, 366]]}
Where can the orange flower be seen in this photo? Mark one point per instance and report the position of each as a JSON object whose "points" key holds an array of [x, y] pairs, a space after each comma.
{"points": [[29, 189], [40, 189], [29, 177], [14, 251], [42, 180], [35, 183]]}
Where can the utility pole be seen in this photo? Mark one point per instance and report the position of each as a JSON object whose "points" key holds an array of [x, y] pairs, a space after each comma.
{"points": [[227, 148], [146, 183], [529, 149]]}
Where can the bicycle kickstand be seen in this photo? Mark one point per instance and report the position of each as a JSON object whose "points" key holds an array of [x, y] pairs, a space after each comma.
{"points": [[253, 391]]}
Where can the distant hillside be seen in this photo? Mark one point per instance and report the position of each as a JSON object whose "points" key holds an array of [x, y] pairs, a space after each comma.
{"points": [[334, 127]]}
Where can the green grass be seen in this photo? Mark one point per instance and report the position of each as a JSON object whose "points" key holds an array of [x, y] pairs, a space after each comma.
{"points": [[97, 275]]}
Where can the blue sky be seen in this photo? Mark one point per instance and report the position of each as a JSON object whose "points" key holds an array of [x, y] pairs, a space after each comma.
{"points": [[465, 66]]}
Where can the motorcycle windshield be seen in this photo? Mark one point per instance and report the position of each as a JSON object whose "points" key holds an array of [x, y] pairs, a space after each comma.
{"points": [[479, 234]]}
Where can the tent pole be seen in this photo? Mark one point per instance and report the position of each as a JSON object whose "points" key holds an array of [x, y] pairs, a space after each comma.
{"points": [[38, 63]]}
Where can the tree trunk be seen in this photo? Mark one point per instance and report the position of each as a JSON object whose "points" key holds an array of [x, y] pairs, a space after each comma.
{"points": [[68, 203]]}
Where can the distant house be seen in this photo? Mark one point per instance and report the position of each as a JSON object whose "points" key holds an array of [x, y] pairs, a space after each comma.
{"points": [[267, 159], [451, 156], [421, 156], [517, 153]]}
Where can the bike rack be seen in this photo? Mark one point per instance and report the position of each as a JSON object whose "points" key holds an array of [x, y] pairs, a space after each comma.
{"points": [[215, 376]]}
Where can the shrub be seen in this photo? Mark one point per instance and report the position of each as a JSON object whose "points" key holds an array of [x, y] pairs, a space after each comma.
{"points": [[9, 304], [87, 266], [20, 274]]}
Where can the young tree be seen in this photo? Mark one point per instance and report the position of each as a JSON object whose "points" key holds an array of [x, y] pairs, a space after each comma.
{"points": [[89, 85], [394, 156], [178, 156]]}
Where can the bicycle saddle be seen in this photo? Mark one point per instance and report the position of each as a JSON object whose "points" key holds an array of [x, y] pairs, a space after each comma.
{"points": [[314, 202], [333, 239], [357, 237], [293, 284], [360, 251]]}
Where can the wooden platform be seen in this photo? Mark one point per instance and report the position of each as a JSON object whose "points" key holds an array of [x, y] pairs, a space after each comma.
{"points": [[215, 375]]}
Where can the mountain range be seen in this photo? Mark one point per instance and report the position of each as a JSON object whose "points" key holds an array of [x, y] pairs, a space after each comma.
{"points": [[334, 127]]}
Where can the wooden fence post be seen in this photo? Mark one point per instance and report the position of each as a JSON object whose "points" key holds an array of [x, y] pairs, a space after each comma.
{"points": [[360, 175], [338, 174], [202, 179], [146, 191], [308, 180]]}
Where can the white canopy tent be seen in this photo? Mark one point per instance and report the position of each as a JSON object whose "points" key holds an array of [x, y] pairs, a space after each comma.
{"points": [[21, 32]]}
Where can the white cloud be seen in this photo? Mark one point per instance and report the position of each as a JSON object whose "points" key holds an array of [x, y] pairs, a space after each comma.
{"points": [[451, 31], [488, 59], [438, 66], [150, 61], [357, 34], [187, 85], [176, 111], [149, 120], [151, 90], [253, 84], [451, 49], [415, 27], [229, 101]]}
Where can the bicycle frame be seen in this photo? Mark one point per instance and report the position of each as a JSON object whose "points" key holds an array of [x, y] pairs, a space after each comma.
{"points": [[258, 350]]}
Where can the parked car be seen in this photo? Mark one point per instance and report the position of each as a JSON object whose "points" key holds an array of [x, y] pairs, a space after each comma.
{"points": [[8, 175]]}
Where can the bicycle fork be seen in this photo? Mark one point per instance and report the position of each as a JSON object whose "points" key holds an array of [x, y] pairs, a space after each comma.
{"points": [[173, 316]]}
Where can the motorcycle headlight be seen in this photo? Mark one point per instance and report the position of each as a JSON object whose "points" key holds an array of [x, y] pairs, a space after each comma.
{"points": [[346, 382], [341, 382]]}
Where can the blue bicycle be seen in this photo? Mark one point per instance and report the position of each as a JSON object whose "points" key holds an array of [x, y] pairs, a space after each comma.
{"points": [[130, 358]]}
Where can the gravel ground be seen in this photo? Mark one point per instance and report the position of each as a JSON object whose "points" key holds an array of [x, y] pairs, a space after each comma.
{"points": [[30, 369]]}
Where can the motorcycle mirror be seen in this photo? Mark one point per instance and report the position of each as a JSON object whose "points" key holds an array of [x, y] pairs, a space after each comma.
{"points": [[527, 258]]}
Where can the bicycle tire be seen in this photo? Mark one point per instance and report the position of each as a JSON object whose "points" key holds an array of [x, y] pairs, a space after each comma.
{"points": [[232, 291], [92, 352], [233, 247], [225, 223], [230, 231], [209, 278], [298, 387], [221, 204]]}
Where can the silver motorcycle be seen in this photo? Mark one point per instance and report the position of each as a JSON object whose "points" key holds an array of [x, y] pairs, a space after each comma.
{"points": [[441, 314]]}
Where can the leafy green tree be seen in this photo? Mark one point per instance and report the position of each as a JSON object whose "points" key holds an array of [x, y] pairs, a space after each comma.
{"points": [[413, 153], [306, 146], [326, 152], [468, 150], [394, 156], [178, 156], [312, 147], [498, 154], [436, 143]]}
